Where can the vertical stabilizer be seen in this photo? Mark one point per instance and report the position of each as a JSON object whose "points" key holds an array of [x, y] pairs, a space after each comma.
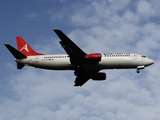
{"points": [[25, 48]]}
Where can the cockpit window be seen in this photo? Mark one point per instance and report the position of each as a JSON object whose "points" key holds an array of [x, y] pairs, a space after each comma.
{"points": [[144, 56]]}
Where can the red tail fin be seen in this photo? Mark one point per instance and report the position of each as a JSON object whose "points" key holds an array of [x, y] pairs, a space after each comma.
{"points": [[24, 47]]}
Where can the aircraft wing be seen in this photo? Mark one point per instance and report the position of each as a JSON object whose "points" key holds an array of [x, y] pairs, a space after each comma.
{"points": [[80, 80], [75, 53], [83, 77], [77, 57]]}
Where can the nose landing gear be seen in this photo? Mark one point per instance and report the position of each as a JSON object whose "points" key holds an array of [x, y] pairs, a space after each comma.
{"points": [[139, 67]]}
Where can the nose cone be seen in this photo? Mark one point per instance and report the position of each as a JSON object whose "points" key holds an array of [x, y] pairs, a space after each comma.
{"points": [[148, 62]]}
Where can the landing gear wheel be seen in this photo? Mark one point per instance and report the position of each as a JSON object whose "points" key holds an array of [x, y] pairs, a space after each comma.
{"points": [[138, 71]]}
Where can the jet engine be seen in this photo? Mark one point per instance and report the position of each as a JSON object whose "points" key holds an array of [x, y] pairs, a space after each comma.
{"points": [[99, 76], [95, 57]]}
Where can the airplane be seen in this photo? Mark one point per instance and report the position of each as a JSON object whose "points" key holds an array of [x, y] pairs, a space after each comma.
{"points": [[86, 66]]}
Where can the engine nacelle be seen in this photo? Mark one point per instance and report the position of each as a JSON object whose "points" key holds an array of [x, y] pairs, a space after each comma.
{"points": [[95, 57], [99, 76]]}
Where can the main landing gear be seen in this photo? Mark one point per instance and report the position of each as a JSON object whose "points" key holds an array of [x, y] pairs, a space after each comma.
{"points": [[138, 71]]}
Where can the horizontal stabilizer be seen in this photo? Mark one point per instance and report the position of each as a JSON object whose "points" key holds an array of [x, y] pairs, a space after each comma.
{"points": [[20, 65], [15, 53]]}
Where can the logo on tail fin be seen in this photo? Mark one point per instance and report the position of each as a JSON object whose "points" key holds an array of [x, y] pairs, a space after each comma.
{"points": [[25, 47]]}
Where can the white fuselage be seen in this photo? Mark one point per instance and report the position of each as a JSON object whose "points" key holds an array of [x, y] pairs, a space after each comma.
{"points": [[108, 61]]}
